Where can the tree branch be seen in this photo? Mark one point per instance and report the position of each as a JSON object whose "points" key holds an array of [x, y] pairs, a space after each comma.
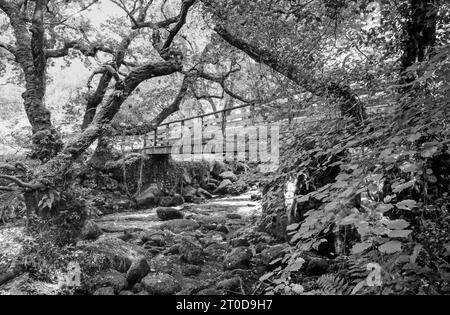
{"points": [[349, 102], [87, 50], [18, 182], [161, 117], [9, 48]]}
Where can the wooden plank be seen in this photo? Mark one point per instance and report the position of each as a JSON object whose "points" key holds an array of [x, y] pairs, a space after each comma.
{"points": [[164, 150]]}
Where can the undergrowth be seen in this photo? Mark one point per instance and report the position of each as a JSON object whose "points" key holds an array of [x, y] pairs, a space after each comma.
{"points": [[376, 191]]}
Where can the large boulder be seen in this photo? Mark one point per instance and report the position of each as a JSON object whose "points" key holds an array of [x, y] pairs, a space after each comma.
{"points": [[104, 291], [191, 251], [180, 225], [219, 168], [119, 254], [166, 214], [138, 270], [161, 284], [153, 239], [239, 258], [91, 231], [150, 196], [216, 251], [204, 193], [190, 270], [109, 278], [223, 187], [171, 201], [228, 175], [240, 187]]}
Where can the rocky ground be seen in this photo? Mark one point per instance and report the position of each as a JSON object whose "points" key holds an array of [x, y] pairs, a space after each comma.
{"points": [[209, 248]]}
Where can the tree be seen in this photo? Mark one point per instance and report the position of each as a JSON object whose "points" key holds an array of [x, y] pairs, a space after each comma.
{"points": [[31, 52], [276, 43]]}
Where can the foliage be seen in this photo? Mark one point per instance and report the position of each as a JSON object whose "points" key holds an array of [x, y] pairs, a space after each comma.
{"points": [[373, 189]]}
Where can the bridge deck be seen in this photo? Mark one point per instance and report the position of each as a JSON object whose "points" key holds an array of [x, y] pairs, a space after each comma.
{"points": [[203, 128]]}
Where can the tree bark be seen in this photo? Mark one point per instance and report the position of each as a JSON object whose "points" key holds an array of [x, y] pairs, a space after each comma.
{"points": [[349, 102], [97, 97], [419, 37], [29, 53], [52, 173]]}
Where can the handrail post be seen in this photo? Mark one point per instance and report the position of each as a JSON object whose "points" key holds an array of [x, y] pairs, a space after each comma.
{"points": [[167, 135], [155, 137]]}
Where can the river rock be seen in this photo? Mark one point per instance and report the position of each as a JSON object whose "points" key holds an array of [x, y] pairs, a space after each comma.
{"points": [[219, 168], [240, 187], [161, 284], [203, 193], [110, 278], [230, 285], [223, 187], [138, 270], [217, 251], [104, 291], [91, 231], [149, 196], [228, 175], [222, 229], [180, 225], [234, 216], [239, 258], [120, 254], [166, 214], [239, 242], [190, 270], [171, 201], [191, 251]]}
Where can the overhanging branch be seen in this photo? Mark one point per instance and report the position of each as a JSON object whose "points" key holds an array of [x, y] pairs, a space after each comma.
{"points": [[87, 50]]}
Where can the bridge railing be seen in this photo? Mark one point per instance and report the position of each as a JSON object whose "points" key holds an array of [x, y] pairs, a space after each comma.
{"points": [[169, 134]]}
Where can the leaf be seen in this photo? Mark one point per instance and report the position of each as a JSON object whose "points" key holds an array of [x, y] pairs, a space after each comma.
{"points": [[385, 153], [417, 249], [349, 220], [292, 227], [303, 198], [295, 238], [359, 286], [399, 233], [408, 167], [401, 187], [390, 247], [266, 276], [384, 207], [363, 228], [297, 289], [331, 206], [414, 137], [406, 205], [297, 265], [397, 224], [360, 247], [342, 177], [429, 150]]}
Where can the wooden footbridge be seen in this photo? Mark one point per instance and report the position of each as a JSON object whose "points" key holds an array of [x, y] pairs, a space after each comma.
{"points": [[236, 130]]}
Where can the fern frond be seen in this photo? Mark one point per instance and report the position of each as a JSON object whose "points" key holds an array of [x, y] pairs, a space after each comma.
{"points": [[331, 284]]}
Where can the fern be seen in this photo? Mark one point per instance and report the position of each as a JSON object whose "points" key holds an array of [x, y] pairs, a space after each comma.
{"points": [[331, 284]]}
